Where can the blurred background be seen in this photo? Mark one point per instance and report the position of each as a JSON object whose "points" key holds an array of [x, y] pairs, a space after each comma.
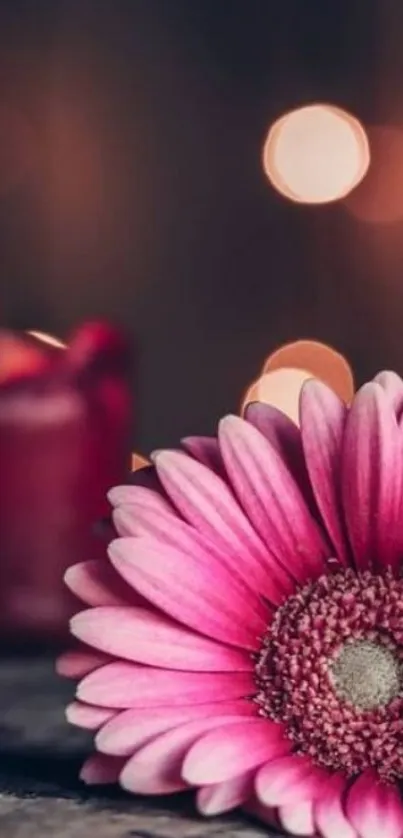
{"points": [[132, 188]]}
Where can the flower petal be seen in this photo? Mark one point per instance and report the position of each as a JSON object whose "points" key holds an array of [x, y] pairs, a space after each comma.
{"points": [[139, 502], [323, 418], [375, 809], [272, 499], [156, 768], [142, 636], [372, 480], [393, 387], [128, 494], [329, 814], [193, 588], [284, 435], [141, 518], [222, 797], [88, 716], [97, 583], [223, 754], [79, 662], [207, 503], [290, 779], [131, 729], [298, 819], [100, 770], [205, 449], [124, 685]]}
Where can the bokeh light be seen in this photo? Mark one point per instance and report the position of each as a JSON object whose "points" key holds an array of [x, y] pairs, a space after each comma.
{"points": [[320, 360], [280, 388], [288, 367], [139, 462], [316, 154]]}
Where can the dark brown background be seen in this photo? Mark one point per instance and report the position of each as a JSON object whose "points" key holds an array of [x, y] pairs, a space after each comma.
{"points": [[131, 187]]}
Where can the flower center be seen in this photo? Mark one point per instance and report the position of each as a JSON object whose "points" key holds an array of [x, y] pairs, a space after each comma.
{"points": [[366, 675], [331, 671]]}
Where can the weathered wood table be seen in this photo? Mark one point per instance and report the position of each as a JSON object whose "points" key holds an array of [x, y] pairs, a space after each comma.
{"points": [[40, 796]]}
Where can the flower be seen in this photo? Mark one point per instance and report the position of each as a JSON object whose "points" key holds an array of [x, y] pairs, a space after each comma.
{"points": [[246, 636]]}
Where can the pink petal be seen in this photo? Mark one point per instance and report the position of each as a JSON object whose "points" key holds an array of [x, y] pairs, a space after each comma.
{"points": [[144, 507], [207, 503], [128, 494], [298, 819], [101, 770], [194, 588], [77, 663], [323, 418], [124, 685], [156, 768], [142, 636], [88, 716], [393, 387], [290, 779], [375, 809], [131, 729], [205, 449], [222, 797], [272, 499], [140, 518], [372, 480], [223, 754], [284, 435], [97, 583], [329, 814]]}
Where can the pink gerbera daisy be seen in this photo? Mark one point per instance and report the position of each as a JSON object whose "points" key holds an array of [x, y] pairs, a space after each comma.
{"points": [[247, 632]]}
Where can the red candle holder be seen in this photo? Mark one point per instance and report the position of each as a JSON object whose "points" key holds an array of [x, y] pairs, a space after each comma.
{"points": [[64, 441]]}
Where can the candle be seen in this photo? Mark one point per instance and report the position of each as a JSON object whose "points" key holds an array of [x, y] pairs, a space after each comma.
{"points": [[64, 440]]}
